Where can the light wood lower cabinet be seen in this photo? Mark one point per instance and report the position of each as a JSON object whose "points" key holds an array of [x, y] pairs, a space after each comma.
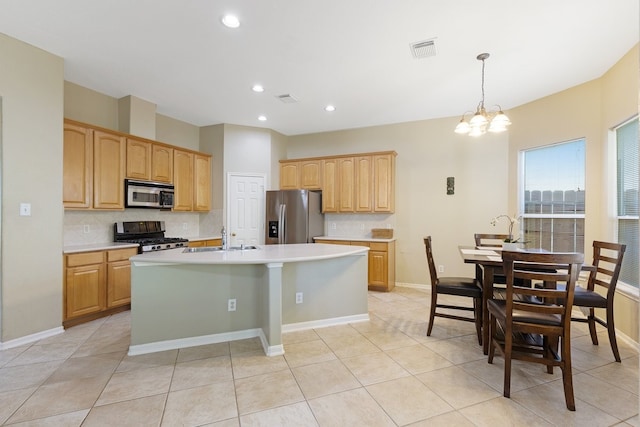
{"points": [[96, 284], [209, 242], [382, 262]]}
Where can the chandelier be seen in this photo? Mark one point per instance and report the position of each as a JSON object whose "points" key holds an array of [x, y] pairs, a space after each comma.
{"points": [[483, 120]]}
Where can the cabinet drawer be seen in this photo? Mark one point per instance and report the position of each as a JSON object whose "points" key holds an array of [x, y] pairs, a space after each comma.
{"points": [[121, 254], [85, 258], [377, 246]]}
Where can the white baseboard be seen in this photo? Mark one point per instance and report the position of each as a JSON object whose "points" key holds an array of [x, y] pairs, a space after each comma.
{"points": [[313, 324], [153, 347], [31, 338], [414, 286]]}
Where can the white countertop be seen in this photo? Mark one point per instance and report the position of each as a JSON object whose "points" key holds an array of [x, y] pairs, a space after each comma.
{"points": [[97, 247], [265, 254], [356, 239]]}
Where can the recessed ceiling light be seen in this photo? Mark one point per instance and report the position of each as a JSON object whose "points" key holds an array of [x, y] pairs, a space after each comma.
{"points": [[262, 118], [231, 21], [257, 88], [329, 108]]}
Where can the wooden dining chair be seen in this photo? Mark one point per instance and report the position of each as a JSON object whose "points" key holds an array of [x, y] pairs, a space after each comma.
{"points": [[484, 240], [604, 273], [457, 286], [535, 322]]}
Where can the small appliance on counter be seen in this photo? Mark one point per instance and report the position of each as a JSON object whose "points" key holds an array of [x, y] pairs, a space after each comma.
{"points": [[148, 234], [293, 216]]}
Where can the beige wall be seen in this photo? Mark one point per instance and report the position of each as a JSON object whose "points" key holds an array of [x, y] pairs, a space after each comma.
{"points": [[31, 90], [428, 152], [587, 111]]}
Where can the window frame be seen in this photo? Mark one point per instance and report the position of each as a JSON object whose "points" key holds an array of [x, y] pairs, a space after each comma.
{"points": [[522, 190], [623, 287]]}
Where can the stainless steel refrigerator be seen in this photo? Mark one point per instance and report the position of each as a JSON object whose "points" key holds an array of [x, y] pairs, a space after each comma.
{"points": [[293, 216]]}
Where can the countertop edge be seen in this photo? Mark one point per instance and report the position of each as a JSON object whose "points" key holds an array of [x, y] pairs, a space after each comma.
{"points": [[356, 239]]}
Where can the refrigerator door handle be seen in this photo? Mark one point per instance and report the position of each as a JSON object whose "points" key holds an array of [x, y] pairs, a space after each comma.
{"points": [[281, 225]]}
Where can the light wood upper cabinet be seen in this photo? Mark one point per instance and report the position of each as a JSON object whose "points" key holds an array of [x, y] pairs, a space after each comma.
{"points": [[330, 185], [148, 161], [109, 151], [77, 166], [289, 176], [346, 177], [202, 183], [161, 163], [138, 159], [310, 174], [384, 172], [358, 183], [364, 181], [183, 180]]}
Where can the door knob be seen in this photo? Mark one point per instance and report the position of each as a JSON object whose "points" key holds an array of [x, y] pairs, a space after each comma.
{"points": [[233, 234]]}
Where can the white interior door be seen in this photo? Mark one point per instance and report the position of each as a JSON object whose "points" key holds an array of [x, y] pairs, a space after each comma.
{"points": [[245, 209]]}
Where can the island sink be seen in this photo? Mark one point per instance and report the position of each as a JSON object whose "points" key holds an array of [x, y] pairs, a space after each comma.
{"points": [[219, 248]]}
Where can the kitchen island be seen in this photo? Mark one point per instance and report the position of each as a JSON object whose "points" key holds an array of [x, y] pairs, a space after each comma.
{"points": [[184, 299]]}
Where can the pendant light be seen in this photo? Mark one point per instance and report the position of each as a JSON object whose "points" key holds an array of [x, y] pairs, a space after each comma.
{"points": [[483, 120]]}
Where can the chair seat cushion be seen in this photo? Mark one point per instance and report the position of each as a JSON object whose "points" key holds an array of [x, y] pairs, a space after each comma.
{"points": [[499, 308], [586, 298], [464, 286]]}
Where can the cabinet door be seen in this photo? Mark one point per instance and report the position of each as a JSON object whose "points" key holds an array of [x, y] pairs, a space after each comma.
{"points": [[138, 159], [378, 268], [202, 183], [84, 290], [77, 167], [364, 181], [161, 163], [384, 183], [197, 244], [289, 176], [213, 242], [311, 174], [108, 170], [329, 185], [345, 196], [183, 180], [118, 283]]}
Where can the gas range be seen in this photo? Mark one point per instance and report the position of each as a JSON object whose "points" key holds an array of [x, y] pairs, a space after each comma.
{"points": [[149, 235]]}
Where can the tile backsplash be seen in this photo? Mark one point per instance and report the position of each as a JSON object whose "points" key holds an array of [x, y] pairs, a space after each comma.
{"points": [[89, 227], [356, 225]]}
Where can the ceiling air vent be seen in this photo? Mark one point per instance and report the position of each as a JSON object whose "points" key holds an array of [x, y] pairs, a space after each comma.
{"points": [[423, 49], [287, 98]]}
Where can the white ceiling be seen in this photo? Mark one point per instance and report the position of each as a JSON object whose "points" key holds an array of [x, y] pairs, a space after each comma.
{"points": [[353, 54]]}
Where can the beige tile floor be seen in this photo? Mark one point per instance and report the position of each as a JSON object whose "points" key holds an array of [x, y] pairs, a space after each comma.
{"points": [[384, 372]]}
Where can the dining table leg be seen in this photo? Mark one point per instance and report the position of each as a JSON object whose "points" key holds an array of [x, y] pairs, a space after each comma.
{"points": [[487, 292]]}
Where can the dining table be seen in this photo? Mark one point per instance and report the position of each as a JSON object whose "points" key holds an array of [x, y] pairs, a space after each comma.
{"points": [[490, 259]]}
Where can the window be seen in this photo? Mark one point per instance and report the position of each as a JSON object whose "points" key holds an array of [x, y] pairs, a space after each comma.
{"points": [[627, 199], [553, 197]]}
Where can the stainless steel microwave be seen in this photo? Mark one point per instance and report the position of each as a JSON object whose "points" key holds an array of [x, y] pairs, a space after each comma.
{"points": [[146, 194]]}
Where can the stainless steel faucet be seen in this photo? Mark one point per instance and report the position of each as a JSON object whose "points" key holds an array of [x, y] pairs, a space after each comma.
{"points": [[224, 238]]}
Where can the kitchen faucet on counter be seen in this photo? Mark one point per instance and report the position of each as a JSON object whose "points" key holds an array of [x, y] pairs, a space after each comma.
{"points": [[223, 232]]}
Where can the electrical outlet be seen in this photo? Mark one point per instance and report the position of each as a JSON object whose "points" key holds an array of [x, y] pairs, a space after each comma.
{"points": [[185, 226], [333, 225], [298, 297], [361, 226], [231, 305], [25, 209], [388, 225], [441, 269], [86, 228]]}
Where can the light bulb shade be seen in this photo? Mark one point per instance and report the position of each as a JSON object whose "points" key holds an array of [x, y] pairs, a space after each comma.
{"points": [[478, 120], [502, 119], [462, 127]]}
